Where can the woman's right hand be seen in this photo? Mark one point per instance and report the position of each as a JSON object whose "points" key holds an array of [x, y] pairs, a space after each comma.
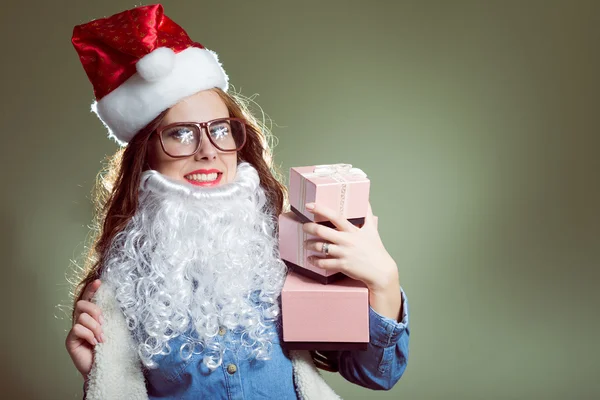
{"points": [[86, 331]]}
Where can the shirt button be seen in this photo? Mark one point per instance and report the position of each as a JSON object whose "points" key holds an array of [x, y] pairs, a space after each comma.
{"points": [[231, 368], [222, 331]]}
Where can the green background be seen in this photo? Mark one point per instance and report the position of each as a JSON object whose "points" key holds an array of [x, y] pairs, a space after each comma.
{"points": [[477, 123]]}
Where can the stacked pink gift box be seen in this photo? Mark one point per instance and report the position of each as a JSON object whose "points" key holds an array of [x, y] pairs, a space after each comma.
{"points": [[322, 310]]}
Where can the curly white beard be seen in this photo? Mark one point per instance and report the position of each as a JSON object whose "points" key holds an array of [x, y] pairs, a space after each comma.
{"points": [[193, 259]]}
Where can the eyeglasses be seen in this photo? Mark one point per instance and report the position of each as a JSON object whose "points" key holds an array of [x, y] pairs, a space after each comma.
{"points": [[183, 139]]}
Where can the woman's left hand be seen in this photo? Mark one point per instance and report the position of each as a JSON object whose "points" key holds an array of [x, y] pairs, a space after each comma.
{"points": [[357, 252]]}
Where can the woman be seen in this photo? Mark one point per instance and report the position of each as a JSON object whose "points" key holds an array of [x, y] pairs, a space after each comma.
{"points": [[184, 279]]}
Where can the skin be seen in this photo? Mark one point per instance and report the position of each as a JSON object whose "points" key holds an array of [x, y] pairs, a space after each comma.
{"points": [[200, 107], [357, 252], [86, 331]]}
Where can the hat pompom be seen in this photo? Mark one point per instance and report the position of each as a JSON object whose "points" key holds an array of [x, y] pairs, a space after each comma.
{"points": [[157, 64]]}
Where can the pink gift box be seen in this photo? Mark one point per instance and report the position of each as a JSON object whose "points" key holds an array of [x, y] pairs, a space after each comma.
{"points": [[336, 186], [324, 317], [292, 251]]}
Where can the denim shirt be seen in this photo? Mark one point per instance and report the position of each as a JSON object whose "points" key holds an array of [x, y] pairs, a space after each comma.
{"points": [[379, 367]]}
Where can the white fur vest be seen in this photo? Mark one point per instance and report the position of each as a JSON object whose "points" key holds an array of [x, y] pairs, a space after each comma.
{"points": [[117, 374]]}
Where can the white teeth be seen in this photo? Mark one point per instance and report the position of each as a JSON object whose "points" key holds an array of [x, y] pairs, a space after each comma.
{"points": [[203, 177]]}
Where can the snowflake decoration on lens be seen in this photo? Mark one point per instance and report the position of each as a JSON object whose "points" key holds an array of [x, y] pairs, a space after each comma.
{"points": [[186, 135], [220, 132]]}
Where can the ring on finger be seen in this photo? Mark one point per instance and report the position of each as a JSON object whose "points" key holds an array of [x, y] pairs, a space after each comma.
{"points": [[325, 249]]}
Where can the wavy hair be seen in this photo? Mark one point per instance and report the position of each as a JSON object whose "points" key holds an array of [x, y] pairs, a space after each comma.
{"points": [[115, 193]]}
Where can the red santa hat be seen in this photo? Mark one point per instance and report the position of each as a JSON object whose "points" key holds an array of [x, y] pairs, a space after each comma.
{"points": [[140, 63]]}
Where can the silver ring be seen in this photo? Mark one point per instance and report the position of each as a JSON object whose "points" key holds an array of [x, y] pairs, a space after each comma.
{"points": [[325, 249]]}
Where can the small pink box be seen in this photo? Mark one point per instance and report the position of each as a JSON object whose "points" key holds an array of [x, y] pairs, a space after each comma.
{"points": [[292, 251], [337, 186], [324, 317]]}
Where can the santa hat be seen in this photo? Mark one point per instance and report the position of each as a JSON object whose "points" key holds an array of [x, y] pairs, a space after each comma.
{"points": [[140, 63]]}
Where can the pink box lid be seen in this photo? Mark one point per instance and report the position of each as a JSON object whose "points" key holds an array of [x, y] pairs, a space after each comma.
{"points": [[300, 284], [324, 184]]}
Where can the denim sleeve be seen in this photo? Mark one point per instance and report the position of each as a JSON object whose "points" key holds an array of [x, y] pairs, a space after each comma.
{"points": [[383, 363]]}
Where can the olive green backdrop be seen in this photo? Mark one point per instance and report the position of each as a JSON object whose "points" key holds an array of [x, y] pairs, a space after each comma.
{"points": [[477, 123]]}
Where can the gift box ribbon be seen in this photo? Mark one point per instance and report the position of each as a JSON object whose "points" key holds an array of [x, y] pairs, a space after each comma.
{"points": [[338, 172]]}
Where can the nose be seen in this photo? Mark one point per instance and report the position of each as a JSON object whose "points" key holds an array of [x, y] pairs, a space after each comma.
{"points": [[206, 151]]}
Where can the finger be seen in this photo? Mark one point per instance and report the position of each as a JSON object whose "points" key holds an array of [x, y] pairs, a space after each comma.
{"points": [[92, 309], [317, 245], [90, 323], [341, 223], [330, 264], [369, 219], [80, 332], [90, 290], [324, 232]]}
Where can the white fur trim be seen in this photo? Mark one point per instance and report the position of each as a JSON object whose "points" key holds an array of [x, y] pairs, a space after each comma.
{"points": [[117, 371], [157, 64], [309, 382], [136, 102]]}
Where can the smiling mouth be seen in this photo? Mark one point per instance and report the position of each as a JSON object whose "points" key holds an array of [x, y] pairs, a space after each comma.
{"points": [[204, 179]]}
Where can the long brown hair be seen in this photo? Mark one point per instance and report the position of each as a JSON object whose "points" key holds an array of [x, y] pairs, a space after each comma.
{"points": [[115, 194]]}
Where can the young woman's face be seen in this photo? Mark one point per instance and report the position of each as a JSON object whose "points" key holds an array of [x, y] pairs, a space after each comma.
{"points": [[199, 168]]}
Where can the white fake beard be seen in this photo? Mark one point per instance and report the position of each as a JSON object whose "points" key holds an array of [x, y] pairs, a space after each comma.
{"points": [[193, 259]]}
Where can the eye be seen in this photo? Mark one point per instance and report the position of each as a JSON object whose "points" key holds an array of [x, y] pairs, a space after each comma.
{"points": [[220, 131], [182, 134]]}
